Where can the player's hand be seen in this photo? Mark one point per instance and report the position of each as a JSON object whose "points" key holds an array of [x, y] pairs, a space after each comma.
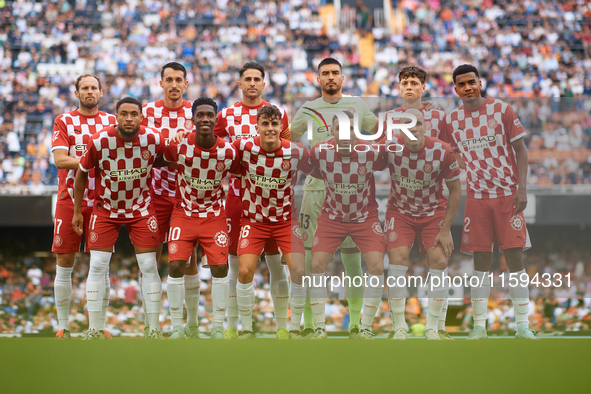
{"points": [[78, 223], [519, 201], [444, 238], [178, 137], [430, 106]]}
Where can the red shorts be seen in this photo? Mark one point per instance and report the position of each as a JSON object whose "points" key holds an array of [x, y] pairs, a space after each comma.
{"points": [[330, 234], [104, 231], [163, 207], [210, 233], [254, 237], [65, 239], [234, 215], [402, 229], [488, 219]]}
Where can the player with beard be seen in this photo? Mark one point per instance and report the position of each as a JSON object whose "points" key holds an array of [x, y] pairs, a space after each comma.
{"points": [[199, 217], [331, 79], [235, 122], [71, 133], [170, 116], [122, 157], [346, 166], [490, 138]]}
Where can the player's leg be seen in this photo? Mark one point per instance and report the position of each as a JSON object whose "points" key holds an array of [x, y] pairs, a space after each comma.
{"points": [[65, 245], [310, 211], [397, 289], [351, 258], [233, 212], [299, 291], [318, 292], [279, 283], [142, 231], [192, 281], [438, 287], [478, 236], [214, 242], [513, 238], [175, 291], [102, 234], [251, 243], [370, 238]]}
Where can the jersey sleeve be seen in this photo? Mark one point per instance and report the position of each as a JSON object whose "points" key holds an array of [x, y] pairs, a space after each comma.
{"points": [[235, 167], [286, 133], [445, 133], [370, 120], [304, 164], [60, 138], [513, 126], [90, 157], [160, 144], [298, 124], [380, 161], [171, 152], [451, 168], [220, 127]]}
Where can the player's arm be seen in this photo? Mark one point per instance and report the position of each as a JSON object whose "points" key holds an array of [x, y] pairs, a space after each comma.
{"points": [[299, 125], [64, 161], [236, 168], [453, 203], [219, 129], [79, 186], [520, 200]]}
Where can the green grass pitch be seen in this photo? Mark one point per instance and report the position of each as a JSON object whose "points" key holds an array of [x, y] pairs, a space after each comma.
{"points": [[127, 365]]}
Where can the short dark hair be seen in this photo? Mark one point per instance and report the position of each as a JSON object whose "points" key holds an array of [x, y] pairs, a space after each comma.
{"points": [[269, 111], [329, 60], [412, 71], [465, 69], [204, 101], [81, 77], [128, 100], [252, 66], [174, 66]]}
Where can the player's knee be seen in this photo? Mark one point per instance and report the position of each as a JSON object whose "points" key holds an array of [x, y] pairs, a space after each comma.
{"points": [[399, 260], [65, 260], [219, 271], [439, 263], [245, 274], [176, 268]]}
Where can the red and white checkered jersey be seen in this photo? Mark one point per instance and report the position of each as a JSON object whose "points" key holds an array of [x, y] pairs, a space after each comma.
{"points": [[483, 138], [200, 174], [122, 170], [267, 178], [239, 120], [417, 177], [434, 120], [72, 131], [349, 180], [168, 122]]}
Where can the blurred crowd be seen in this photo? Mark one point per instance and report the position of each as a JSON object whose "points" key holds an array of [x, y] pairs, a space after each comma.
{"points": [[531, 49], [27, 303]]}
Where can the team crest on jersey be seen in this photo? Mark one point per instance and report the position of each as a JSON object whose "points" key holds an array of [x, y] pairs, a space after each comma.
{"points": [[296, 231], [146, 154], [492, 123], [188, 125], [377, 228], [305, 236], [362, 170], [393, 236], [93, 237], [173, 248], [286, 165], [351, 109], [220, 167], [221, 239], [153, 224], [58, 241], [516, 222], [428, 126], [454, 166], [428, 167], [244, 243], [466, 239]]}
